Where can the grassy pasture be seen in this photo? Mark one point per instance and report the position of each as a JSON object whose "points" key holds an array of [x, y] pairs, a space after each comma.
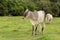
{"points": [[15, 28]]}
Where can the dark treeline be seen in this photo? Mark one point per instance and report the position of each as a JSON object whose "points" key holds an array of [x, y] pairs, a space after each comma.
{"points": [[17, 7]]}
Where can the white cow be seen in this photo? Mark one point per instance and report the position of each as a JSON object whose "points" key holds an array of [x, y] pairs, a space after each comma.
{"points": [[36, 18], [49, 18]]}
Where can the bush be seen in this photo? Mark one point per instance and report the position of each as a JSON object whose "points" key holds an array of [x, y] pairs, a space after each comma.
{"points": [[17, 7]]}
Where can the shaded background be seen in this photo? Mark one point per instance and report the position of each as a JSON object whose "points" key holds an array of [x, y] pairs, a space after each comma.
{"points": [[17, 7]]}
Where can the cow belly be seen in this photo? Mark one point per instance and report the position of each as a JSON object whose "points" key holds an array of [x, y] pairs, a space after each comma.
{"points": [[34, 22], [41, 20]]}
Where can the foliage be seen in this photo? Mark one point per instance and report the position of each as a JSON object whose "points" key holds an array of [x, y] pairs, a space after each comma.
{"points": [[17, 7]]}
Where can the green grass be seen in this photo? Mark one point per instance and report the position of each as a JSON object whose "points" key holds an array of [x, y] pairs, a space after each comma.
{"points": [[15, 28]]}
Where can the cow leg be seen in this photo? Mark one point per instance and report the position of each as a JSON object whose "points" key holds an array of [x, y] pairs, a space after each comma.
{"points": [[50, 20], [36, 28], [32, 29], [43, 28]]}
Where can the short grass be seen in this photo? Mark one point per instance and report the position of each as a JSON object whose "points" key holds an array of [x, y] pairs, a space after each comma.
{"points": [[15, 28]]}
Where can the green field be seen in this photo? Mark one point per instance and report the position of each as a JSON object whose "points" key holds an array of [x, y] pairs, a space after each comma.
{"points": [[15, 28]]}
